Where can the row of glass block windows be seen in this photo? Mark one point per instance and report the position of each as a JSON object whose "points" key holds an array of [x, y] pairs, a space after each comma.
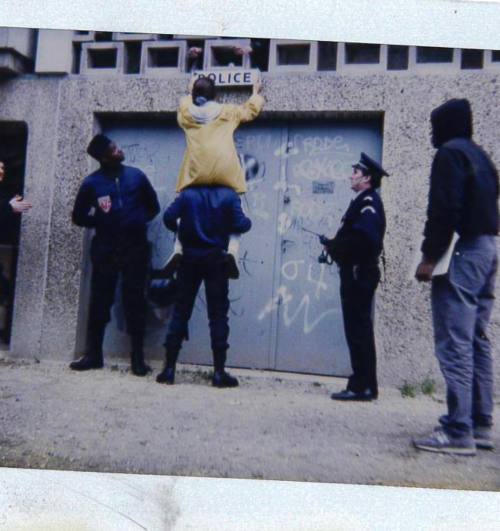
{"points": [[265, 54]]}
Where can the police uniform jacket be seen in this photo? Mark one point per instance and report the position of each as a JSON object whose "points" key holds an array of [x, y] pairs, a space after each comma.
{"points": [[359, 240], [208, 215], [118, 204]]}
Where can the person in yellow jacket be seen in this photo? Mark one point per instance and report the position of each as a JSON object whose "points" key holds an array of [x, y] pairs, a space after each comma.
{"points": [[211, 158]]}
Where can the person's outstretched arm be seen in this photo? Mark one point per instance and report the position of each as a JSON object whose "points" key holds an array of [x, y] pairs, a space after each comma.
{"points": [[253, 106]]}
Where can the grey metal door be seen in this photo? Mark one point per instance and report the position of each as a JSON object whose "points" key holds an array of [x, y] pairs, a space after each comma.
{"points": [[251, 338], [285, 309], [157, 149], [310, 336]]}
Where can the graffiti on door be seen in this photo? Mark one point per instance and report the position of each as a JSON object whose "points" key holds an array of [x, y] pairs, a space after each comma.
{"points": [[297, 178]]}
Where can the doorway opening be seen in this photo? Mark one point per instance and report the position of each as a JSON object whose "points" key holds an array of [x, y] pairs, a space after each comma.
{"points": [[13, 139]]}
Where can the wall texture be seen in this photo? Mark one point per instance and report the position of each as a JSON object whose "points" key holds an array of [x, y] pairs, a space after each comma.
{"points": [[61, 116]]}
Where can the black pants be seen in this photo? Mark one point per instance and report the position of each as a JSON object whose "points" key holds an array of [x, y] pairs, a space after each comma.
{"points": [[357, 288], [211, 270], [132, 262]]}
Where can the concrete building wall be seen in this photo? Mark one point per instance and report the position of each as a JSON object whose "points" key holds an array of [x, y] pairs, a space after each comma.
{"points": [[61, 117], [36, 104]]}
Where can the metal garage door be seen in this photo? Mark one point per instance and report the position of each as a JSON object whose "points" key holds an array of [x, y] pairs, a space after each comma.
{"points": [[285, 308]]}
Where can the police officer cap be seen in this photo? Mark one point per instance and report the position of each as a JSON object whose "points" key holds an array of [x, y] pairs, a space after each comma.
{"points": [[371, 167], [98, 146]]}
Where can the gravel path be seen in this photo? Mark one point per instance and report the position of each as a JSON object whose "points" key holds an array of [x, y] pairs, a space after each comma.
{"points": [[274, 426]]}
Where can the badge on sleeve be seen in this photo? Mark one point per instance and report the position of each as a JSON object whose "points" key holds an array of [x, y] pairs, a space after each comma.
{"points": [[104, 203]]}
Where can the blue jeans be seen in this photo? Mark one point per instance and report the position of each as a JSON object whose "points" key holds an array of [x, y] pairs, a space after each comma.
{"points": [[462, 301]]}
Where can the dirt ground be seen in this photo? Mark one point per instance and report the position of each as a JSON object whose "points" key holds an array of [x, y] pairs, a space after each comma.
{"points": [[274, 426]]}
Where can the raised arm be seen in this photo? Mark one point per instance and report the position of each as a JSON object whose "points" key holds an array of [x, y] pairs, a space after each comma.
{"points": [[253, 106]]}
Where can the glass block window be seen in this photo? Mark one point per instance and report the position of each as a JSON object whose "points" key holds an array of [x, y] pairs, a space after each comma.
{"points": [[427, 54], [293, 54], [105, 58], [362, 54], [471, 59], [163, 57], [327, 56], [397, 57]]}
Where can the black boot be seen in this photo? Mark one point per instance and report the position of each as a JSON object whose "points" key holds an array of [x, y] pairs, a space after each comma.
{"points": [[167, 376], [222, 378], [139, 368], [93, 358]]}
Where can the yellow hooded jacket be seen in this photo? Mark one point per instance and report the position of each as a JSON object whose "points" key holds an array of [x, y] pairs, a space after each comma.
{"points": [[211, 158]]}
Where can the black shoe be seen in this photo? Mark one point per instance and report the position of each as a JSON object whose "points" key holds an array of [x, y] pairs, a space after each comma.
{"points": [[167, 376], [138, 367], [224, 379], [169, 268], [231, 266], [347, 395], [87, 362]]}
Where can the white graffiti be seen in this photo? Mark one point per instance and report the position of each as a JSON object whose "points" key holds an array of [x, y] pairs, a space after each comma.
{"points": [[284, 222], [316, 145], [291, 269], [257, 204], [287, 149], [280, 185], [294, 266], [319, 169], [284, 298], [283, 186], [259, 142], [321, 285]]}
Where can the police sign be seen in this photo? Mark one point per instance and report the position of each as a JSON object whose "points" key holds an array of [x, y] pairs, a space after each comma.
{"points": [[230, 77]]}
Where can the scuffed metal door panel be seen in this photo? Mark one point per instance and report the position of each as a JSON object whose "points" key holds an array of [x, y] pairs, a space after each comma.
{"points": [[157, 149], [251, 331], [285, 309], [318, 167]]}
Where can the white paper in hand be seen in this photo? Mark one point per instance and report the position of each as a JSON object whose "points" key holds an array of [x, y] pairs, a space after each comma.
{"points": [[443, 264]]}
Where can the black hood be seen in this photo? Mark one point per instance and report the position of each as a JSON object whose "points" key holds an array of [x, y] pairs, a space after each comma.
{"points": [[453, 119]]}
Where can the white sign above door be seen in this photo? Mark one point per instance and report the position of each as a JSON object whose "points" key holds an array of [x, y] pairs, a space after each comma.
{"points": [[230, 76]]}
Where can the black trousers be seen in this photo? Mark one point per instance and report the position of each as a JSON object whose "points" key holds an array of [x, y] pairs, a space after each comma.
{"points": [[210, 269], [132, 263], [357, 289]]}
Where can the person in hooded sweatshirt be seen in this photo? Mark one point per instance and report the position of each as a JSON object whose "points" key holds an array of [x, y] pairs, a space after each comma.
{"points": [[211, 158], [117, 201], [463, 200]]}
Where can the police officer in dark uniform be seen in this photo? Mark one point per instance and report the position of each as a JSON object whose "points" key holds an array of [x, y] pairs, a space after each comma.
{"points": [[117, 201], [208, 215], [356, 249]]}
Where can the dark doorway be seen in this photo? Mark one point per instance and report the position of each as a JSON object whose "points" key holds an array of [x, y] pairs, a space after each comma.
{"points": [[13, 138]]}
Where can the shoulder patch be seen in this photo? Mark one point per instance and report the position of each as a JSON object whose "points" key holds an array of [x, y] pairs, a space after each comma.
{"points": [[369, 209], [368, 198]]}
